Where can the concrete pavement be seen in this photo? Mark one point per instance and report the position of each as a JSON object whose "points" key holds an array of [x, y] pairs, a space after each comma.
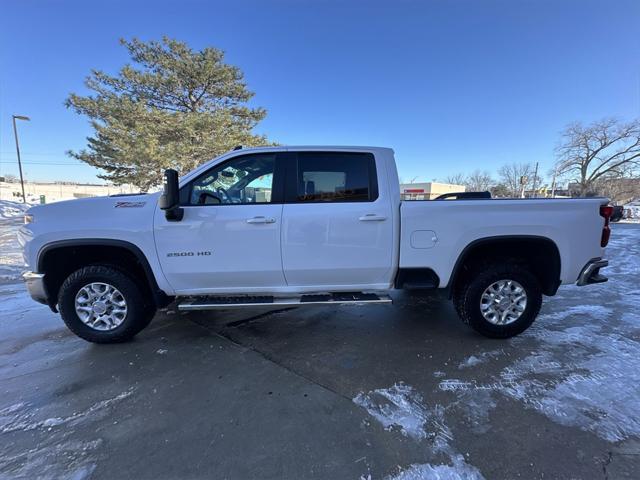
{"points": [[402, 391]]}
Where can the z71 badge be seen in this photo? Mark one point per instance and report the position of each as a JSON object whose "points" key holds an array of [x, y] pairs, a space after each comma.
{"points": [[130, 204]]}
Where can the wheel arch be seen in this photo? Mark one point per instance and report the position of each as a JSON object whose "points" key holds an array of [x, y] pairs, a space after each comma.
{"points": [[87, 251], [530, 248]]}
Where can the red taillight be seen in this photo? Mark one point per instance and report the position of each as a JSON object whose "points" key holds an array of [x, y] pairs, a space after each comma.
{"points": [[605, 211]]}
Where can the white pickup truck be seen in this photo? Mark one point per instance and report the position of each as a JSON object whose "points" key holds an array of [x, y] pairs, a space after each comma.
{"points": [[303, 226]]}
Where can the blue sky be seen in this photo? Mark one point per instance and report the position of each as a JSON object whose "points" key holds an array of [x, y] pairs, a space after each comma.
{"points": [[451, 85]]}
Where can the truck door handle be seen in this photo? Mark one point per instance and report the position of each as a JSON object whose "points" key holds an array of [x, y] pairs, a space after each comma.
{"points": [[261, 220], [372, 217]]}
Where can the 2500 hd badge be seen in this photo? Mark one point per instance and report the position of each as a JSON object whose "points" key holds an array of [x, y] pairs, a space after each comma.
{"points": [[189, 254]]}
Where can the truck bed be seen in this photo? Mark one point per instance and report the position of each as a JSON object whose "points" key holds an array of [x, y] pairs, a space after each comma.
{"points": [[435, 231]]}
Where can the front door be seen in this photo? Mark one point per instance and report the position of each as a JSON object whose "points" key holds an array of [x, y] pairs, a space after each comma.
{"points": [[338, 225], [229, 237]]}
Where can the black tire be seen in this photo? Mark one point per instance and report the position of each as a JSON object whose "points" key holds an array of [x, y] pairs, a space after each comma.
{"points": [[140, 309], [467, 297]]}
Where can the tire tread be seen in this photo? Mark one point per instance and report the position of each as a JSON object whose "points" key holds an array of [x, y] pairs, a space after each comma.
{"points": [[140, 310], [486, 272]]}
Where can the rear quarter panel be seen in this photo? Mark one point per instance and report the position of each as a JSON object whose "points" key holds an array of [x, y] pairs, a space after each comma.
{"points": [[574, 225]]}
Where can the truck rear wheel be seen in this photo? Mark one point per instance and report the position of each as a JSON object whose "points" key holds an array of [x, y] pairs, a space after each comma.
{"points": [[103, 305], [499, 300]]}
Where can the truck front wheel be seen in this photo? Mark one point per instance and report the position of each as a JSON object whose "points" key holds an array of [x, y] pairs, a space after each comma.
{"points": [[499, 300], [103, 305]]}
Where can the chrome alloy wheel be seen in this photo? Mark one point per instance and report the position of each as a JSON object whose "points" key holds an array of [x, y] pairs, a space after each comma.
{"points": [[101, 306], [503, 302]]}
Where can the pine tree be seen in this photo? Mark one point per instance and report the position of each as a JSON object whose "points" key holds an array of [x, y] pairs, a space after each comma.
{"points": [[172, 108]]}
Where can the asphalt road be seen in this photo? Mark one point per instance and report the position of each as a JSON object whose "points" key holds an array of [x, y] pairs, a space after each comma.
{"points": [[404, 391]]}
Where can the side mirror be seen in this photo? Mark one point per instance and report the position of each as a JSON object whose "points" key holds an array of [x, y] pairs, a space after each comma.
{"points": [[170, 198]]}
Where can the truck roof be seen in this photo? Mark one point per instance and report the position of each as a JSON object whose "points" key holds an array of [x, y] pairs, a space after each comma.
{"points": [[284, 148]]}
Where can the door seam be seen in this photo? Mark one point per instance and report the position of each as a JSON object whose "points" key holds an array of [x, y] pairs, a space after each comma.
{"points": [[284, 275]]}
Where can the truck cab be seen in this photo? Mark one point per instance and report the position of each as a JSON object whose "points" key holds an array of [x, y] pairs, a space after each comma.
{"points": [[281, 221]]}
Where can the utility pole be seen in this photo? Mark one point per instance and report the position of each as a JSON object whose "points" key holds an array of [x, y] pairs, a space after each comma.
{"points": [[535, 180], [523, 184], [15, 133], [553, 183]]}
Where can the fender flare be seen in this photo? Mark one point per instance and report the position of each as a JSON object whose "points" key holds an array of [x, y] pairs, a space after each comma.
{"points": [[501, 238], [160, 298]]}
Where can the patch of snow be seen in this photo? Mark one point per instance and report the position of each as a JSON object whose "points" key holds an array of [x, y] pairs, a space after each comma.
{"points": [[585, 370], [401, 407], [598, 391], [162, 351], [11, 261], [16, 418], [73, 460], [83, 472], [12, 408], [471, 361], [9, 209], [482, 357], [458, 470], [595, 390], [52, 422], [397, 406], [631, 212]]}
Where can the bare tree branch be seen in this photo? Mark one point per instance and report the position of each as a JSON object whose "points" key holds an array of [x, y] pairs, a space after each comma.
{"points": [[603, 150], [511, 174]]}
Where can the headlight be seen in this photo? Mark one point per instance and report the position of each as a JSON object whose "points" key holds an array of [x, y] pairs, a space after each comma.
{"points": [[28, 218]]}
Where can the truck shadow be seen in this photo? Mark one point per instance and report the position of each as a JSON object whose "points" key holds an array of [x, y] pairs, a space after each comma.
{"points": [[346, 348]]}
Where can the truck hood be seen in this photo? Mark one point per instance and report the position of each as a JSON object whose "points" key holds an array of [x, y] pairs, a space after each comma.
{"points": [[97, 217], [94, 205]]}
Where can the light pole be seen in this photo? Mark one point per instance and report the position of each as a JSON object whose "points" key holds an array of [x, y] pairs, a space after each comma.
{"points": [[15, 133]]}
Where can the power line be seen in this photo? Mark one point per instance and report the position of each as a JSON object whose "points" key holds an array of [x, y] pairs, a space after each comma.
{"points": [[38, 154], [40, 163]]}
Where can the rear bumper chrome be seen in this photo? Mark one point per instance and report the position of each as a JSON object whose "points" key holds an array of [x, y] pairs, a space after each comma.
{"points": [[35, 286], [591, 272]]}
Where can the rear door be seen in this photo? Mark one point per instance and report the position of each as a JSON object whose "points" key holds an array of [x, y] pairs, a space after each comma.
{"points": [[337, 222]]}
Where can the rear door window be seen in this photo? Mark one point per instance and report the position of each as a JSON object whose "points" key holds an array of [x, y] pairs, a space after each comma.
{"points": [[335, 177]]}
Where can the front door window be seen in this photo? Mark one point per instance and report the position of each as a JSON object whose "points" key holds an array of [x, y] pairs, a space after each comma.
{"points": [[241, 180]]}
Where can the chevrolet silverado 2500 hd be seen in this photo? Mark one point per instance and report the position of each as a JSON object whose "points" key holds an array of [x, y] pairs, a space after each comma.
{"points": [[303, 226]]}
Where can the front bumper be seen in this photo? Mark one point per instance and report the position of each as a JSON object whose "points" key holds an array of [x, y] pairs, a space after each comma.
{"points": [[591, 272], [35, 286]]}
